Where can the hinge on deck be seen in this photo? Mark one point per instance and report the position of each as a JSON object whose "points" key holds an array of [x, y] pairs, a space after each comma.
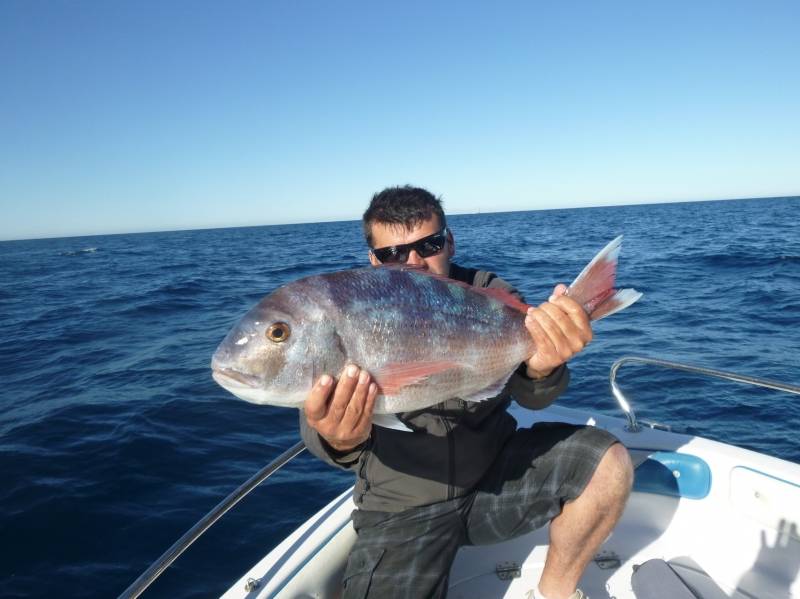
{"points": [[607, 560], [508, 570], [251, 585]]}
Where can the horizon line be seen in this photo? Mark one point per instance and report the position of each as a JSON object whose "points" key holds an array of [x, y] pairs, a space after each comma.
{"points": [[345, 220]]}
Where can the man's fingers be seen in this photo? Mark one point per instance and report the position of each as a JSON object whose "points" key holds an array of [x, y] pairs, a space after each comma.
{"points": [[366, 416], [541, 339], [316, 405], [344, 391], [567, 332], [357, 404], [554, 321], [575, 311], [558, 291]]}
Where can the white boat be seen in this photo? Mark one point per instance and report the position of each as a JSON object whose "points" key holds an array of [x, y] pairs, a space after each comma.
{"points": [[707, 519]]}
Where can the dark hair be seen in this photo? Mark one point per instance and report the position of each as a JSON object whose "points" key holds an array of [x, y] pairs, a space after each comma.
{"points": [[406, 206]]}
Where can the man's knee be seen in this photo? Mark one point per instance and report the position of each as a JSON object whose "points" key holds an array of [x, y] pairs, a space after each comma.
{"points": [[615, 472]]}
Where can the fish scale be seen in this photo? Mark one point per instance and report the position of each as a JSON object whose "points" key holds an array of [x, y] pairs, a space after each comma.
{"points": [[418, 316]]}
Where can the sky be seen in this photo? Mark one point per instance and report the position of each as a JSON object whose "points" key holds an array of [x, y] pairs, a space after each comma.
{"points": [[123, 116]]}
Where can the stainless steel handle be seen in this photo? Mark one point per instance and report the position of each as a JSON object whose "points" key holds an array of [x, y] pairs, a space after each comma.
{"points": [[634, 427], [171, 554]]}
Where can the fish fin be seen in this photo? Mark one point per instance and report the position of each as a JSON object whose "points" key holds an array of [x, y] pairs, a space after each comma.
{"points": [[500, 295], [619, 301], [594, 287], [390, 421], [392, 378], [503, 296]]}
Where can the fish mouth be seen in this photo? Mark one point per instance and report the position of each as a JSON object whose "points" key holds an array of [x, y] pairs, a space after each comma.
{"points": [[249, 388], [228, 377]]}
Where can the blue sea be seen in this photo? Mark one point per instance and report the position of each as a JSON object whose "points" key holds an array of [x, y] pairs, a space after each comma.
{"points": [[114, 439]]}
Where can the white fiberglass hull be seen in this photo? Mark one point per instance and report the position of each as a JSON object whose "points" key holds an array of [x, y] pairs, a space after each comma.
{"points": [[725, 517]]}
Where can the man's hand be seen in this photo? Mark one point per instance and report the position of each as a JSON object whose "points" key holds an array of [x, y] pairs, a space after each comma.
{"points": [[344, 421], [560, 329]]}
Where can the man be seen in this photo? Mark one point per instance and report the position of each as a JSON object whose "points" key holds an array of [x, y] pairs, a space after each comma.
{"points": [[465, 475]]}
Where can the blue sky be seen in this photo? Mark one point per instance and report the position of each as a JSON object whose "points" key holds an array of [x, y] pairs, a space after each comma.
{"points": [[142, 116]]}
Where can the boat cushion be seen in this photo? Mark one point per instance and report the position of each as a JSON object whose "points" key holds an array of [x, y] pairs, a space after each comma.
{"points": [[673, 474], [680, 578], [655, 579]]}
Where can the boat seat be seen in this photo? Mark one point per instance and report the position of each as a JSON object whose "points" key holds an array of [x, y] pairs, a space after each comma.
{"points": [[657, 579], [673, 474]]}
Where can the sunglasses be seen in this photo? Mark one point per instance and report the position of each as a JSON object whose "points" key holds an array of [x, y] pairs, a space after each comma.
{"points": [[425, 247]]}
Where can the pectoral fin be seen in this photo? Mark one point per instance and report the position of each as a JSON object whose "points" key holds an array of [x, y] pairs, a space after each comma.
{"points": [[392, 378], [390, 421]]}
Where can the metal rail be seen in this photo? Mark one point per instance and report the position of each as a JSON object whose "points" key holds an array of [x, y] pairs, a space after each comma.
{"points": [[633, 425], [171, 554]]}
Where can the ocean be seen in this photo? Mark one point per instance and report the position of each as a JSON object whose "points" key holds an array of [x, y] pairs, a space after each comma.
{"points": [[114, 439]]}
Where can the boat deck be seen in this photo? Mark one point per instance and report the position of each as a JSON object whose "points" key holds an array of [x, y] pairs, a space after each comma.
{"points": [[725, 518]]}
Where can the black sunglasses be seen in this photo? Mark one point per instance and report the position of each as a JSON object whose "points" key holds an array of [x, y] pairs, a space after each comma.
{"points": [[425, 247]]}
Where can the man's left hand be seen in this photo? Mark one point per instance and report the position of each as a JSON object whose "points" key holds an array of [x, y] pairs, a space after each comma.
{"points": [[560, 329]]}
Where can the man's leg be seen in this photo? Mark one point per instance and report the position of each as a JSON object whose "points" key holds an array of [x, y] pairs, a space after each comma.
{"points": [[584, 523], [576, 477], [405, 555]]}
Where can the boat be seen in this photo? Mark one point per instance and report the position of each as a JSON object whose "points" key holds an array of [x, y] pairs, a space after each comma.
{"points": [[705, 520]]}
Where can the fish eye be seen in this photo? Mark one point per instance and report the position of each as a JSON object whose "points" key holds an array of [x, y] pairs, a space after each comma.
{"points": [[278, 332]]}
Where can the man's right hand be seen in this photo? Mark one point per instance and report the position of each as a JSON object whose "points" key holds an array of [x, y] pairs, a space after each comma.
{"points": [[344, 421]]}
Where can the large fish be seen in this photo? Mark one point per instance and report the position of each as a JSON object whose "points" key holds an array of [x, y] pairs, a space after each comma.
{"points": [[424, 338]]}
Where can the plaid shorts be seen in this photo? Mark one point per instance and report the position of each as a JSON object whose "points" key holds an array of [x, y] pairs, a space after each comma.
{"points": [[408, 554]]}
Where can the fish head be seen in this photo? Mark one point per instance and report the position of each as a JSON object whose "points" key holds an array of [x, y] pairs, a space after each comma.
{"points": [[275, 352]]}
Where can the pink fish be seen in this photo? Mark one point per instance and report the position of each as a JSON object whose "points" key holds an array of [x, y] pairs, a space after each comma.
{"points": [[424, 338]]}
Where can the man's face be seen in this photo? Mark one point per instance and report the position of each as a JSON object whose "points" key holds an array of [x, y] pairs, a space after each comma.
{"points": [[384, 235]]}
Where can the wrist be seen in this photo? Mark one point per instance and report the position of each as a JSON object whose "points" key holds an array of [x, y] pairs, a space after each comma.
{"points": [[538, 374], [343, 447]]}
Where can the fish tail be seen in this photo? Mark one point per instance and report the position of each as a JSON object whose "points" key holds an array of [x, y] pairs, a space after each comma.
{"points": [[594, 287]]}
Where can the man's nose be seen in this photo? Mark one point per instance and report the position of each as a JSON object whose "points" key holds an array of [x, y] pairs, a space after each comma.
{"points": [[414, 259]]}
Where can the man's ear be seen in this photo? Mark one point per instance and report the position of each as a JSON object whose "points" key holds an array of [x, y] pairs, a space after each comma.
{"points": [[451, 243], [372, 259]]}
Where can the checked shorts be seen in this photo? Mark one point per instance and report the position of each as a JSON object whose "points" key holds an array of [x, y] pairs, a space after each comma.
{"points": [[407, 555]]}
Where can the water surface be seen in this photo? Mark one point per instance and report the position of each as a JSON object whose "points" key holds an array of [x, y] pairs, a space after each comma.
{"points": [[114, 439]]}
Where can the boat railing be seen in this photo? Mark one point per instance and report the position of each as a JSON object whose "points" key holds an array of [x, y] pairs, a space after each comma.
{"points": [[634, 425], [170, 555]]}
